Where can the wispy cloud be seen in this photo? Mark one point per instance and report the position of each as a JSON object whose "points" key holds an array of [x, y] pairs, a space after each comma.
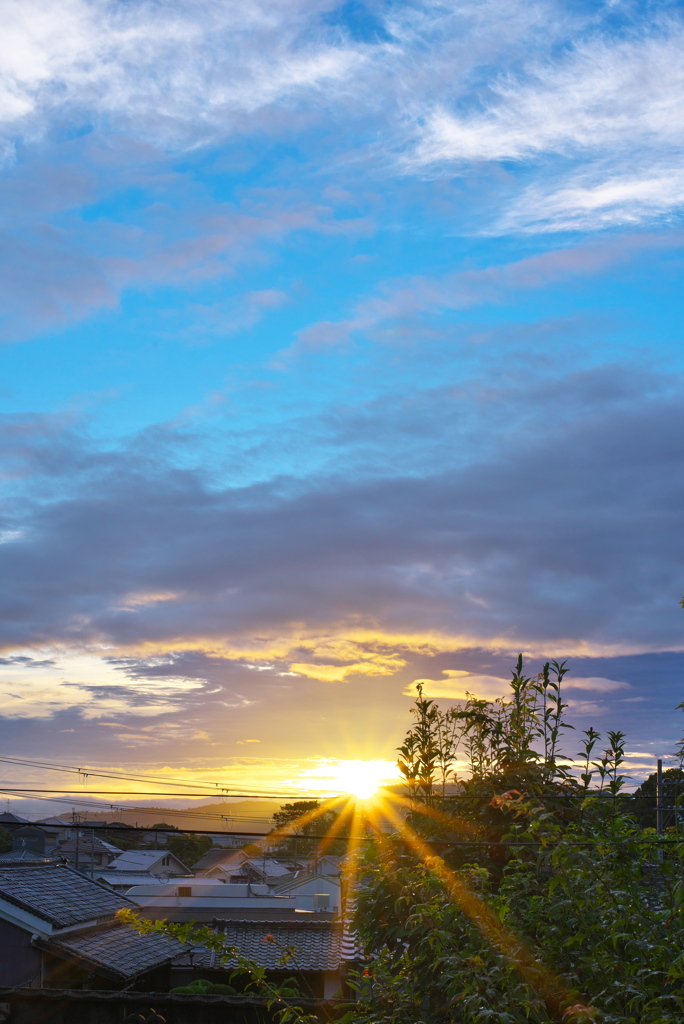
{"points": [[564, 97], [414, 299], [55, 276], [176, 72], [607, 104], [603, 197]]}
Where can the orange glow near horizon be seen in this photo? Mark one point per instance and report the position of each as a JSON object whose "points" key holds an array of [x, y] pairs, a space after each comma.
{"points": [[357, 778]]}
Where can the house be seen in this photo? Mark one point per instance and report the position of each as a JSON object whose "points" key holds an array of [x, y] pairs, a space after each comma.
{"points": [[58, 930], [122, 881], [238, 840], [223, 860], [136, 867], [85, 851], [318, 953], [264, 869], [153, 862], [57, 829], [203, 899], [28, 847], [14, 857], [31, 838], [9, 821], [327, 865], [241, 866], [313, 885]]}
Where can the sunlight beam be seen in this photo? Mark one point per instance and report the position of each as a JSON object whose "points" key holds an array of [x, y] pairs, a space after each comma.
{"points": [[539, 977]]}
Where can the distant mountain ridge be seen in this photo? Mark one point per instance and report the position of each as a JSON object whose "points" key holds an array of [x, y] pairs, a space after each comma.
{"points": [[244, 816]]}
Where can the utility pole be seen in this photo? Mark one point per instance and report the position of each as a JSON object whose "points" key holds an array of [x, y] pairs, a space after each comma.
{"points": [[659, 796]]}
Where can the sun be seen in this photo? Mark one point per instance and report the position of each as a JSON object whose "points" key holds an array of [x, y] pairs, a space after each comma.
{"points": [[360, 779]]}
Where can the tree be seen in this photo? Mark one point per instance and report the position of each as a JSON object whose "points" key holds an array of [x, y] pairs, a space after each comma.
{"points": [[304, 819], [189, 848], [511, 746], [6, 842], [643, 802]]}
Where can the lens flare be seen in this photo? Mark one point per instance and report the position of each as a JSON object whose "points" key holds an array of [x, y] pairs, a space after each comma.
{"points": [[357, 778]]}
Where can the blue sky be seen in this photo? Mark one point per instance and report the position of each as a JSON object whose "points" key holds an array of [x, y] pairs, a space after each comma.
{"points": [[341, 348]]}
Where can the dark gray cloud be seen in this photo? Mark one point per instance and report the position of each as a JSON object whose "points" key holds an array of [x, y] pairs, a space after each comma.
{"points": [[569, 533], [22, 661]]}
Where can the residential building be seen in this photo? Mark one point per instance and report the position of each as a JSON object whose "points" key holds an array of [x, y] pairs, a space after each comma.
{"points": [[310, 885], [24, 856], [139, 867], [122, 881], [241, 866], [58, 930], [203, 899], [238, 840], [86, 852], [9, 821], [317, 952], [58, 830], [220, 863], [32, 839], [153, 862]]}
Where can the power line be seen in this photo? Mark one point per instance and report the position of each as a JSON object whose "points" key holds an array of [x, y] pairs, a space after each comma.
{"points": [[210, 787], [75, 769], [195, 796], [87, 826], [97, 805]]}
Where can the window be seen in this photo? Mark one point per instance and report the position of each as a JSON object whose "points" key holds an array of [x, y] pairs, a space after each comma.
{"points": [[185, 890]]}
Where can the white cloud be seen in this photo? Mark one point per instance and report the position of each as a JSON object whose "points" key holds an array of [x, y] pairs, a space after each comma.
{"points": [[595, 683], [583, 204], [170, 68], [438, 89], [85, 682], [606, 106], [602, 94], [458, 684]]}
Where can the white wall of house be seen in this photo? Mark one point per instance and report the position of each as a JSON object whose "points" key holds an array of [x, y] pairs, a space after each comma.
{"points": [[311, 885]]}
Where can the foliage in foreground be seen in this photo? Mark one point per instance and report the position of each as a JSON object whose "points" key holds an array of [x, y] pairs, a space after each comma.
{"points": [[548, 902], [251, 976], [588, 919]]}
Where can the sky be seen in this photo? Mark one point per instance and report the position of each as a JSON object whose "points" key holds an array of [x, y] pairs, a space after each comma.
{"points": [[340, 349]]}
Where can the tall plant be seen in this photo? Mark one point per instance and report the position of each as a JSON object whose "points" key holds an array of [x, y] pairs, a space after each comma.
{"points": [[511, 741]]}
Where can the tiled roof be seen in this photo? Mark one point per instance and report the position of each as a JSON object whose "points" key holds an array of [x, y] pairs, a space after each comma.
{"points": [[317, 945], [58, 895], [268, 866], [145, 860], [24, 856], [117, 949], [213, 857], [128, 878], [88, 844], [140, 858]]}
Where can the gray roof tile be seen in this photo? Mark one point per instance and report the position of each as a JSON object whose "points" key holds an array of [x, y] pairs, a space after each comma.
{"points": [[88, 844], [59, 895], [317, 945], [117, 949]]}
